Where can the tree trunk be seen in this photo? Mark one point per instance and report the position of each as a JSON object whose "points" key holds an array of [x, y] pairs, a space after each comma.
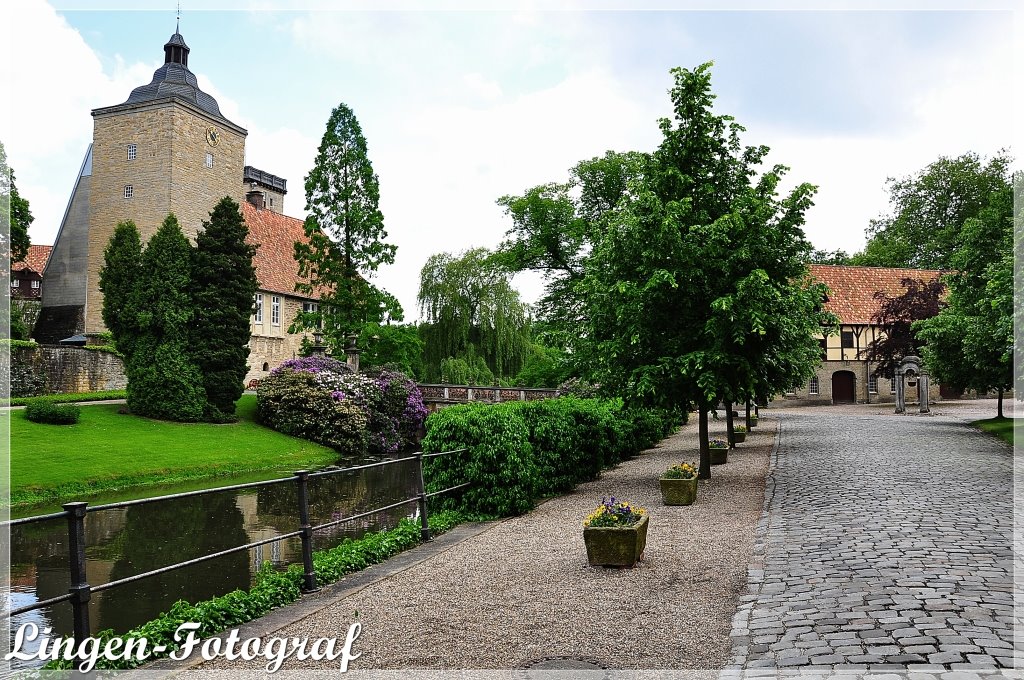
{"points": [[1000, 413], [748, 416], [730, 432], [704, 471]]}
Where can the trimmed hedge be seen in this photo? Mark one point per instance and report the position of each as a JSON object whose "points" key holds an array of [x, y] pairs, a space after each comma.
{"points": [[52, 414], [518, 452], [66, 398]]}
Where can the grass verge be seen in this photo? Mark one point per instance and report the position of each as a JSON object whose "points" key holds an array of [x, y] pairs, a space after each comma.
{"points": [[1000, 427], [272, 589], [108, 451]]}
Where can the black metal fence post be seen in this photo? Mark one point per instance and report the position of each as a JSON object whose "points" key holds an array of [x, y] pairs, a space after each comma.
{"points": [[76, 559], [309, 583], [424, 520]]}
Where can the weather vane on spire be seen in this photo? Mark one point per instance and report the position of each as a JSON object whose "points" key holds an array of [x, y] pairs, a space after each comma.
{"points": [[177, 22]]}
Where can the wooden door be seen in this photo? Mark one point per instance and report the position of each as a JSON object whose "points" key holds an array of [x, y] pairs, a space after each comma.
{"points": [[843, 388]]}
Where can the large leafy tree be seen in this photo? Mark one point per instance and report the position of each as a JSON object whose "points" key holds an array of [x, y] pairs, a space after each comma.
{"points": [[15, 218], [687, 279], [119, 279], [163, 379], [14, 212], [555, 228], [223, 286], [394, 345], [838, 256], [969, 343], [921, 299], [470, 310], [345, 236], [930, 208]]}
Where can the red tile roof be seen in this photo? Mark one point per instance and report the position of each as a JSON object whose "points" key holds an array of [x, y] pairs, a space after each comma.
{"points": [[35, 260], [853, 288], [276, 234]]}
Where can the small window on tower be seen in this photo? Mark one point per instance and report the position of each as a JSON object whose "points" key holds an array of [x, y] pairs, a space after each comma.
{"points": [[209, 160], [128, 191], [131, 152]]}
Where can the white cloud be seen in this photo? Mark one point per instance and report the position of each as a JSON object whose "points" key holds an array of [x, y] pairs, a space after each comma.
{"points": [[443, 167], [481, 87], [47, 128], [967, 107], [462, 108]]}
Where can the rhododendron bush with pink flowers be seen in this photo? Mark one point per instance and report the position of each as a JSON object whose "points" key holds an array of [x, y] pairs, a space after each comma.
{"points": [[320, 399]]}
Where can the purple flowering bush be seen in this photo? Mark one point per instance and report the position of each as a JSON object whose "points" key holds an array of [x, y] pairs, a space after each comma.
{"points": [[389, 403], [314, 365]]}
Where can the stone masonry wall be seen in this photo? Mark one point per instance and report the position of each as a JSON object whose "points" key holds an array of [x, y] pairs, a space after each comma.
{"points": [[271, 345], [168, 174], [60, 370]]}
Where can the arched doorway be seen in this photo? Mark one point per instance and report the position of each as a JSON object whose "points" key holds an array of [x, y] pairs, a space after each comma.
{"points": [[843, 388]]}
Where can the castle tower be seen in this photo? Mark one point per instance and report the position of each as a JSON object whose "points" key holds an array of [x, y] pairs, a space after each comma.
{"points": [[166, 149]]}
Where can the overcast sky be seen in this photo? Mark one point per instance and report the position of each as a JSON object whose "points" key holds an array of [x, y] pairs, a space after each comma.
{"points": [[462, 107]]}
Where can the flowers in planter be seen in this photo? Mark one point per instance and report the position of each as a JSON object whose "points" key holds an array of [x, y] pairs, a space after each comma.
{"points": [[718, 444], [681, 471], [739, 428], [612, 513]]}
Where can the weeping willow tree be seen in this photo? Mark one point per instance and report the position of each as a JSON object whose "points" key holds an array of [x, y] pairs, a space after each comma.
{"points": [[470, 311]]}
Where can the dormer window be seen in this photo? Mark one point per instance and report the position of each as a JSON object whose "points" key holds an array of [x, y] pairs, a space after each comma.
{"points": [[131, 152]]}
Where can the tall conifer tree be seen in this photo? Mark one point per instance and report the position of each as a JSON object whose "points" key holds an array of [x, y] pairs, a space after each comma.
{"points": [[223, 286], [346, 236], [122, 268], [163, 380]]}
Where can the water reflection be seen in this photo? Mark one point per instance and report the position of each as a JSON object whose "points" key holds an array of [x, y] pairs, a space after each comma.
{"points": [[132, 540]]}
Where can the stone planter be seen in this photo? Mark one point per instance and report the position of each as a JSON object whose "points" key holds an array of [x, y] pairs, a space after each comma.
{"points": [[739, 437], [719, 456], [616, 546], [678, 491], [753, 421]]}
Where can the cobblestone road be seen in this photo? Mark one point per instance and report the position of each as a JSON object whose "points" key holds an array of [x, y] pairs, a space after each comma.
{"points": [[887, 545]]}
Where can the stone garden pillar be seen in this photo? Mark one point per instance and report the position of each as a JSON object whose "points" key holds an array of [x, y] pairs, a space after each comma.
{"points": [[352, 353], [922, 389]]}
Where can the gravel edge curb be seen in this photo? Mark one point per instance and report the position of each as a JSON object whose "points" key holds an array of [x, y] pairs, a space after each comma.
{"points": [[327, 595], [755, 571]]}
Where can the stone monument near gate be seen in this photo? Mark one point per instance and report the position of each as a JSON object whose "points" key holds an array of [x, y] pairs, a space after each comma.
{"points": [[911, 372]]}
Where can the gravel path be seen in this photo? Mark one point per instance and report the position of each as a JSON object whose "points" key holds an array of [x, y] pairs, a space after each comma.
{"points": [[522, 591], [888, 545]]}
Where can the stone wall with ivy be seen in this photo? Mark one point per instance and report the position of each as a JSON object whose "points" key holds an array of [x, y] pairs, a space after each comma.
{"points": [[42, 369]]}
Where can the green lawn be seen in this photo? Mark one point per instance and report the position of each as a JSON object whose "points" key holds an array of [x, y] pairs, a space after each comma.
{"points": [[1000, 427], [107, 450]]}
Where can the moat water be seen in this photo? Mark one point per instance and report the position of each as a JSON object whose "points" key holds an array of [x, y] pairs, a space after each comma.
{"points": [[127, 541]]}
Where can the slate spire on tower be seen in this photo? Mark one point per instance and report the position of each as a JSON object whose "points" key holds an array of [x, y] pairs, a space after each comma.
{"points": [[174, 79]]}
